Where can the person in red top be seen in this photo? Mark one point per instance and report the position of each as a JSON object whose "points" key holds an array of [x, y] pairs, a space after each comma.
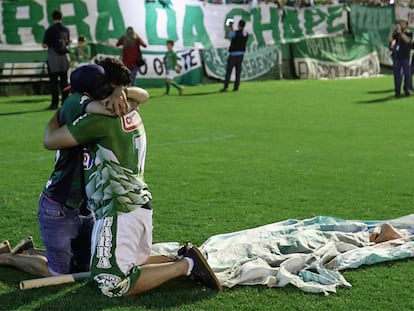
{"points": [[131, 53]]}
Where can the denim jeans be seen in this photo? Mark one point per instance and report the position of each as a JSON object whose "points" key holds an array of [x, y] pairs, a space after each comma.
{"points": [[66, 236]]}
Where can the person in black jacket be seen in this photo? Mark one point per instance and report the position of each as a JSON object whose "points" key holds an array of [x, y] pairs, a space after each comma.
{"points": [[56, 40], [236, 53], [400, 39]]}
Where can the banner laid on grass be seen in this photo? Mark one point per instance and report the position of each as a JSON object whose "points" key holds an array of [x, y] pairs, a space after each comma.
{"points": [[371, 25], [332, 58], [309, 253], [257, 61], [188, 22]]}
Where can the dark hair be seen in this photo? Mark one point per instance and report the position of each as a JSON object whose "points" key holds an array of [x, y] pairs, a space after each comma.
{"points": [[170, 42], [242, 23], [81, 38], [57, 15], [115, 70]]}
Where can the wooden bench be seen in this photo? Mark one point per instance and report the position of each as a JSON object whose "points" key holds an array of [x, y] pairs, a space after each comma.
{"points": [[34, 73]]}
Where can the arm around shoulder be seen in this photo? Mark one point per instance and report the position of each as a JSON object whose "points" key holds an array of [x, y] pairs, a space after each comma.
{"points": [[138, 94], [57, 137]]}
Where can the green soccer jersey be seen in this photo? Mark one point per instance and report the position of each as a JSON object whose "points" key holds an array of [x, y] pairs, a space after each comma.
{"points": [[65, 184], [82, 59], [114, 172], [170, 60]]}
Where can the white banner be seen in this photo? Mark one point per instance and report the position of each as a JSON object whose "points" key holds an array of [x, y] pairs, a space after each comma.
{"points": [[311, 68], [190, 23]]}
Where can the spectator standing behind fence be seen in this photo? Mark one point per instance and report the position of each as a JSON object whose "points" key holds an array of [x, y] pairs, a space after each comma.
{"points": [[57, 39], [131, 53], [236, 52], [400, 39]]}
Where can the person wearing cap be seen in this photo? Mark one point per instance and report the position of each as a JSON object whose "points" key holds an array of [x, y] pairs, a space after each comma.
{"points": [[400, 39], [65, 220], [121, 261]]}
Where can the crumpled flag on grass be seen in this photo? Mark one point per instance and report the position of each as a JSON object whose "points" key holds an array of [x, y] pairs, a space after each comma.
{"points": [[305, 253]]}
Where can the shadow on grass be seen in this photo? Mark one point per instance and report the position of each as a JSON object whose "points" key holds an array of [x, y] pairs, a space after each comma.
{"points": [[382, 99], [186, 95], [12, 113], [86, 296], [381, 91], [377, 100], [24, 100]]}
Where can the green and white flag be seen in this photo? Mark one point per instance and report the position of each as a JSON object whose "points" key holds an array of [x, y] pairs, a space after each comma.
{"points": [[188, 22], [256, 62], [332, 58], [371, 25]]}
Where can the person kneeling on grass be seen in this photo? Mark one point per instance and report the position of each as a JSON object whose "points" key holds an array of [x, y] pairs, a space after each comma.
{"points": [[121, 202], [64, 219]]}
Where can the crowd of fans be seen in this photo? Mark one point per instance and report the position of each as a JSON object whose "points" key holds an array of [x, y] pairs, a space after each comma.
{"points": [[280, 3], [308, 3]]}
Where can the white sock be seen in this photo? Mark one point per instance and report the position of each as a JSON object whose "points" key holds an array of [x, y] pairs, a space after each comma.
{"points": [[190, 265]]}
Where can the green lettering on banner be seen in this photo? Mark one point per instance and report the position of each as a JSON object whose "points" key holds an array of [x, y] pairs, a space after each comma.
{"points": [[257, 61], [152, 21], [371, 25], [194, 20], [259, 27], [291, 26], [11, 23], [310, 21], [341, 57], [80, 13], [241, 13], [335, 12], [109, 13]]}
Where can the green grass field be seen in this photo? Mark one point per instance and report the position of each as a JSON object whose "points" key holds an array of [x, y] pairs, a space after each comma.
{"points": [[218, 163]]}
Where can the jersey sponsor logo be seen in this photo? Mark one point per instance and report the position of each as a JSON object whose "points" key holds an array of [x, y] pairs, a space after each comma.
{"points": [[103, 249], [112, 285], [87, 159], [131, 121]]}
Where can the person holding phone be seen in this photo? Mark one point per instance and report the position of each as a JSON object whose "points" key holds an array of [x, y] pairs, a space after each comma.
{"points": [[236, 52], [400, 39]]}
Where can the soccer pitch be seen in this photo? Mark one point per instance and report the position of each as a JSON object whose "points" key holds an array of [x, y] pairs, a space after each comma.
{"points": [[219, 163]]}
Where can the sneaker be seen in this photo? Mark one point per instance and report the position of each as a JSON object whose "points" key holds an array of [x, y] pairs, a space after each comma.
{"points": [[201, 270], [24, 245], [182, 251], [5, 247], [181, 90], [165, 94], [223, 90]]}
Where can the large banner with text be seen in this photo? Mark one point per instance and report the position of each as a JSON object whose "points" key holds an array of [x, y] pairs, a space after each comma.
{"points": [[190, 23], [371, 25], [330, 58], [257, 61]]}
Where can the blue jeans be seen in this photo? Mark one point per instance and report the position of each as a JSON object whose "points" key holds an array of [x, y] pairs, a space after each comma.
{"points": [[66, 236], [134, 72], [233, 61], [401, 68]]}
